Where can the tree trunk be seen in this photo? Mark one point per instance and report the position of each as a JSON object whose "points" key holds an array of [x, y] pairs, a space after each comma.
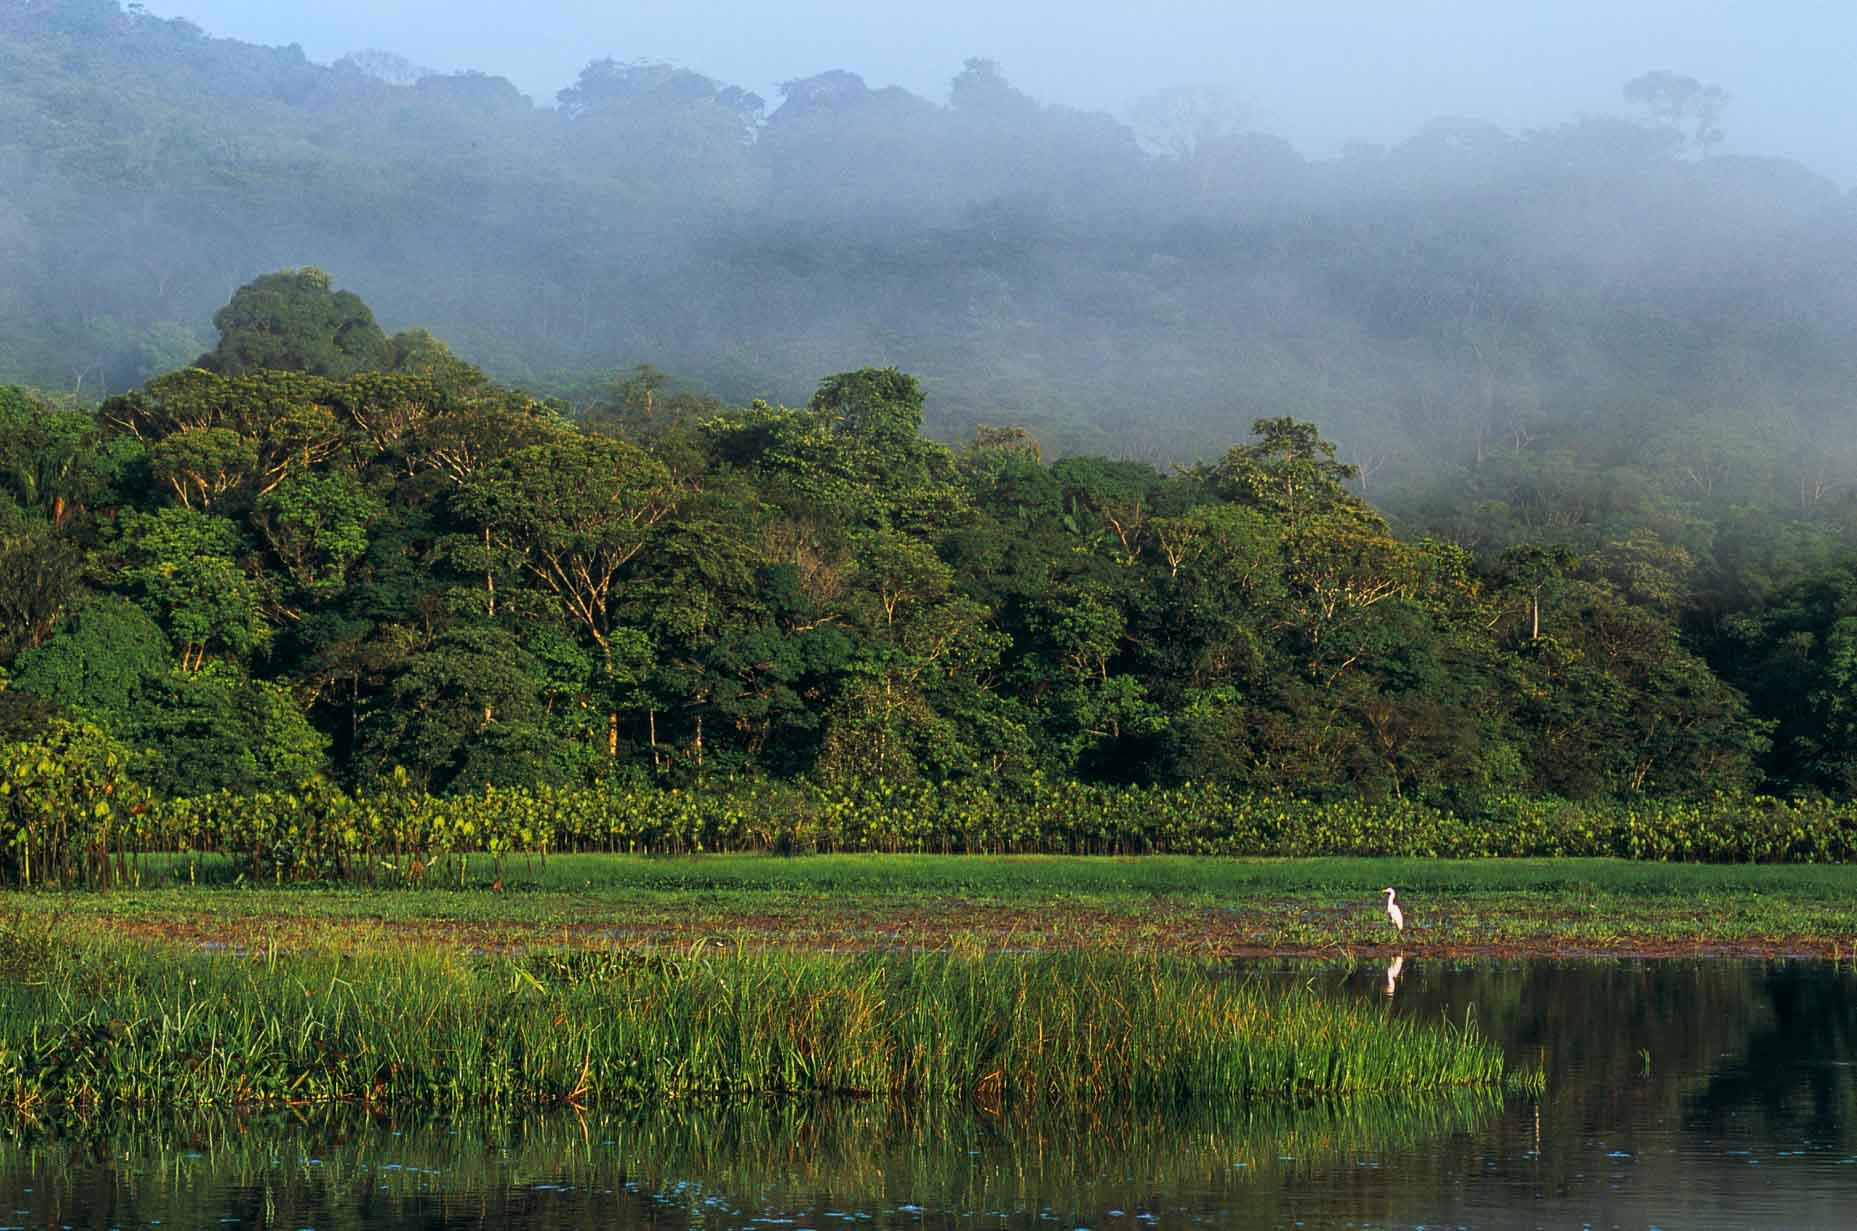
{"points": [[489, 577]]}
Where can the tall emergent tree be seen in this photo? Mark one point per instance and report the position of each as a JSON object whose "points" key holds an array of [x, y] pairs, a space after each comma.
{"points": [[296, 321]]}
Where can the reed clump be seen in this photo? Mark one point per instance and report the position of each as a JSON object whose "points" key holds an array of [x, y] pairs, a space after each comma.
{"points": [[126, 1027]]}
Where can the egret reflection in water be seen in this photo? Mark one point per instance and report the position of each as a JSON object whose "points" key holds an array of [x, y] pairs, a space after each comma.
{"points": [[1394, 969]]}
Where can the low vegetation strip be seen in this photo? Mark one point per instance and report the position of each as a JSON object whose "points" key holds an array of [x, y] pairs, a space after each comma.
{"points": [[87, 1026], [1177, 905], [69, 814]]}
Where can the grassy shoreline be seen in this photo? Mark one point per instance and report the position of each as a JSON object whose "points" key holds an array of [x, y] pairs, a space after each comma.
{"points": [[87, 1024], [1186, 906]]}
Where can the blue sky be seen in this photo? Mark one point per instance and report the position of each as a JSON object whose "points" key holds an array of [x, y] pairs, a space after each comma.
{"points": [[1321, 72]]}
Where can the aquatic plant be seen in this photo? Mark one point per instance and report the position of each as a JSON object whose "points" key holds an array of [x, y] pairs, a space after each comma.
{"points": [[124, 1026], [69, 813], [409, 837]]}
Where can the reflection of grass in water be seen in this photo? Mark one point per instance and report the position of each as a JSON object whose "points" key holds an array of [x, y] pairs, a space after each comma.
{"points": [[833, 1154], [122, 1026]]}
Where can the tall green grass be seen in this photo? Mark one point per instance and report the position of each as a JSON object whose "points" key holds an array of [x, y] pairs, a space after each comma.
{"points": [[87, 1026]]}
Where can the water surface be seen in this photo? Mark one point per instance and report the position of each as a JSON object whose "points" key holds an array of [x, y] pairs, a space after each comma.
{"points": [[1680, 1094]]}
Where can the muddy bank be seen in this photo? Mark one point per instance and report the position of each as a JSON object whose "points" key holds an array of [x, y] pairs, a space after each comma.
{"points": [[1256, 932]]}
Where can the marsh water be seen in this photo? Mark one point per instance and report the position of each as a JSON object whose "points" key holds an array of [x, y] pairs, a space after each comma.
{"points": [[1679, 1094]]}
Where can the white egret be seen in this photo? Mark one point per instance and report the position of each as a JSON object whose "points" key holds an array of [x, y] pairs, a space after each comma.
{"points": [[1393, 912]]}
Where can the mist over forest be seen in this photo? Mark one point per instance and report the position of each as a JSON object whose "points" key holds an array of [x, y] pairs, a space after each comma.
{"points": [[1600, 368], [1145, 287]]}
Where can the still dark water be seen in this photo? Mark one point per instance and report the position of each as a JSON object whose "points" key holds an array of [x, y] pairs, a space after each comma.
{"points": [[1680, 1095]]}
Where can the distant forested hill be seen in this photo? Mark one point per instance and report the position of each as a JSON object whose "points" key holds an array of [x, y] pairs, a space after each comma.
{"points": [[1591, 327]]}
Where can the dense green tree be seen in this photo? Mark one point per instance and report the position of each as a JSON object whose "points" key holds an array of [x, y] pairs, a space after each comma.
{"points": [[1290, 472], [1530, 570], [458, 439], [1796, 655], [48, 456], [201, 465], [316, 526], [466, 710], [574, 513], [97, 666], [296, 321], [187, 730], [40, 579], [855, 453], [1616, 704], [215, 728], [417, 353], [211, 438], [184, 567]]}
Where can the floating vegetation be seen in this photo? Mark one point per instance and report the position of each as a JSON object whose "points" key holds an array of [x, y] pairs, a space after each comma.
{"points": [[109, 1027]]}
